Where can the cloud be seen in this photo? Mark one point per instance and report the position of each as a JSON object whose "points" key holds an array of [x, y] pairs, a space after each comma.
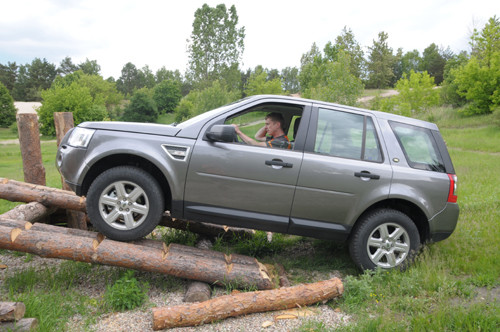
{"points": [[154, 33]]}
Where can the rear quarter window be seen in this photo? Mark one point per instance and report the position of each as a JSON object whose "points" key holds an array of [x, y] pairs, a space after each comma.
{"points": [[419, 147]]}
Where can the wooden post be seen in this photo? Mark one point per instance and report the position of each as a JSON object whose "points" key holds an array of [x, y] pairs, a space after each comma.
{"points": [[64, 122], [29, 140]]}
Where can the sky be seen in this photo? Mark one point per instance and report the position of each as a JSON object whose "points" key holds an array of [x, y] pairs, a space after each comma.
{"points": [[155, 33]]}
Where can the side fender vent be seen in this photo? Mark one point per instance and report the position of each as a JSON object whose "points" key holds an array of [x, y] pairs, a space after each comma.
{"points": [[176, 152]]}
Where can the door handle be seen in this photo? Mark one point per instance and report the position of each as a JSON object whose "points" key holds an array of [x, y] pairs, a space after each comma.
{"points": [[366, 174], [275, 162]]}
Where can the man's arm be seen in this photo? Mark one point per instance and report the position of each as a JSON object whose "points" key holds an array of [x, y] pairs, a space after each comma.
{"points": [[247, 139], [261, 134]]}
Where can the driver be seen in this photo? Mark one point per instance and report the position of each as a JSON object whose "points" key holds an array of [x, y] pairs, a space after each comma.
{"points": [[275, 137]]}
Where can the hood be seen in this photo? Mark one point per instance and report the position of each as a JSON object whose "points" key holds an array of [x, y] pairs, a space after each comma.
{"points": [[134, 127]]}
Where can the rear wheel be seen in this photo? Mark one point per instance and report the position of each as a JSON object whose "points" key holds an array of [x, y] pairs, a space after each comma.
{"points": [[385, 239], [125, 203]]}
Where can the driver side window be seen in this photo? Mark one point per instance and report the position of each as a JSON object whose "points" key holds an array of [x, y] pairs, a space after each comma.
{"points": [[270, 125]]}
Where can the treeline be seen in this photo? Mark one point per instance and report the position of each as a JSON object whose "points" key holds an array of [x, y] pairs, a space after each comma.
{"points": [[338, 73]]}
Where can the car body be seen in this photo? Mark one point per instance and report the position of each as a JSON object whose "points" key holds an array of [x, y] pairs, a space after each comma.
{"points": [[383, 182]]}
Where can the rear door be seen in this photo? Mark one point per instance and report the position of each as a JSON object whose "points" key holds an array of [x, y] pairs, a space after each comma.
{"points": [[343, 172]]}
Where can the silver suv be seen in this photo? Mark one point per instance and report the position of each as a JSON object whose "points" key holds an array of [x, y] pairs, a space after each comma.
{"points": [[382, 182]]}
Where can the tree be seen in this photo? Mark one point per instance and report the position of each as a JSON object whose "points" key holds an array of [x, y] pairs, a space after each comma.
{"points": [[33, 78], [260, 82], [7, 108], [380, 64], [88, 97], [479, 80], [449, 87], [141, 108], [290, 79], [408, 62], [347, 43], [90, 67], [200, 101], [216, 44], [328, 80], [336, 83], [417, 93], [167, 95], [433, 61], [8, 75], [67, 67], [130, 79]]}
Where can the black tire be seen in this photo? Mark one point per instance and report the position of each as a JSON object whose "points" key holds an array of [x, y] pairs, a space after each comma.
{"points": [[125, 203], [384, 238]]}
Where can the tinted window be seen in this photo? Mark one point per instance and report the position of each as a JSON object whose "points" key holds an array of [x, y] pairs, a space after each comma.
{"points": [[347, 135], [419, 147]]}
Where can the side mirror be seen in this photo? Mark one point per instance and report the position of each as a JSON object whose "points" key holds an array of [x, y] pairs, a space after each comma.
{"points": [[221, 133]]}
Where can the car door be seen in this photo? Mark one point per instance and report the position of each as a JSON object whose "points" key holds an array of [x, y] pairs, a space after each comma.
{"points": [[343, 172], [233, 183]]}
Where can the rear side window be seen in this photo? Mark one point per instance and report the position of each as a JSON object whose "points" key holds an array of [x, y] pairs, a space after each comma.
{"points": [[419, 147], [347, 135]]}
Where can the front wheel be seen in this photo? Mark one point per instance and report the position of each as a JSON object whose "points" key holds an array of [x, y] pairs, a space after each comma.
{"points": [[125, 203], [384, 239]]}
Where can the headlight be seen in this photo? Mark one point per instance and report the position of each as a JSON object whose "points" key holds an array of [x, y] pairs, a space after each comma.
{"points": [[80, 137]]}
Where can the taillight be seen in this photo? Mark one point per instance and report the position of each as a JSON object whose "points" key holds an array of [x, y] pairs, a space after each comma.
{"points": [[452, 195]]}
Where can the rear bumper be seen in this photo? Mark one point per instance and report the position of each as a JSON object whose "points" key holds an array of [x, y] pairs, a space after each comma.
{"points": [[442, 225]]}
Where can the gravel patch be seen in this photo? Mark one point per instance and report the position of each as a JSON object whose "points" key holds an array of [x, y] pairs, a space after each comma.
{"points": [[141, 319]]}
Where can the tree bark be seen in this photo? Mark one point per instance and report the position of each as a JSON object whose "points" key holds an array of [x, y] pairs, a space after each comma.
{"points": [[245, 303], [31, 212], [208, 229], [174, 259], [198, 291], [63, 123], [10, 311], [16, 191], [31, 152], [23, 325]]}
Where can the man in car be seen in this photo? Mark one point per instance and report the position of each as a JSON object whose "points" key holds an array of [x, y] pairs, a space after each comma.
{"points": [[271, 135]]}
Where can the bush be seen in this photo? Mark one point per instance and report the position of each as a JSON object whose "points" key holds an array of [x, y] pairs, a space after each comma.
{"points": [[126, 293], [142, 108], [7, 109]]}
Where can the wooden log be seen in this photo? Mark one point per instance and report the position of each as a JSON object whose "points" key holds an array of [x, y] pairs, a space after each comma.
{"points": [[31, 212], [16, 191], [63, 123], [23, 325], [207, 229], [31, 152], [245, 303], [177, 260], [10, 311], [198, 291]]}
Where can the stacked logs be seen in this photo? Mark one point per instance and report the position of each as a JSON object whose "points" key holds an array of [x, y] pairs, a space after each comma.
{"points": [[12, 317]]}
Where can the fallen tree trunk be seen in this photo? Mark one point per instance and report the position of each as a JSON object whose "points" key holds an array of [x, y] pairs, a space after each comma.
{"points": [[177, 260], [198, 291], [10, 311], [16, 191], [208, 229], [31, 212], [245, 303]]}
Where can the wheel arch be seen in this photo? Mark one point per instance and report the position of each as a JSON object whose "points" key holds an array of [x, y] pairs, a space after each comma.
{"points": [[408, 208], [115, 160]]}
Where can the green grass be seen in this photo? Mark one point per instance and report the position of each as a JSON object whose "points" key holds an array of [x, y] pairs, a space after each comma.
{"points": [[441, 291], [7, 134]]}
